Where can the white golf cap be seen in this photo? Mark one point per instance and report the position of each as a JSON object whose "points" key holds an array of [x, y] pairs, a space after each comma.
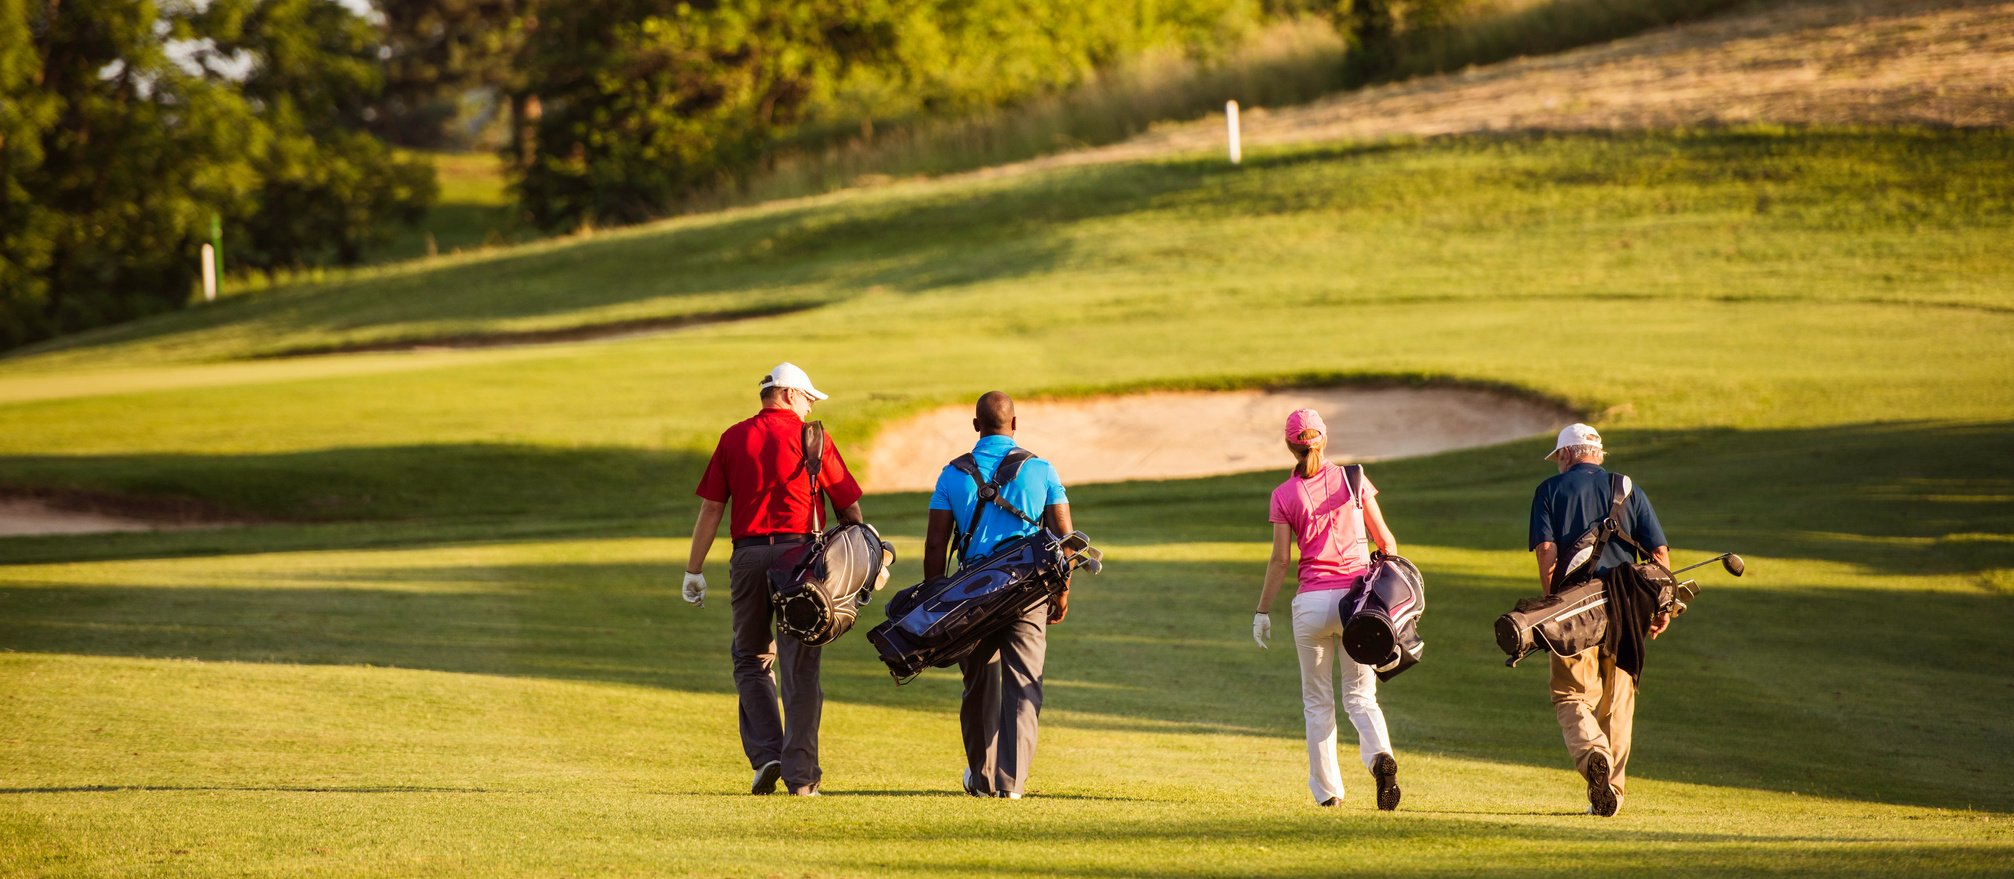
{"points": [[1575, 435], [787, 375]]}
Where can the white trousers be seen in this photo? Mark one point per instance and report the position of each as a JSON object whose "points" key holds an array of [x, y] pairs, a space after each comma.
{"points": [[1318, 637]]}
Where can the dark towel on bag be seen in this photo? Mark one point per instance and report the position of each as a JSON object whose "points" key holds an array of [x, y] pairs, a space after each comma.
{"points": [[1632, 601]]}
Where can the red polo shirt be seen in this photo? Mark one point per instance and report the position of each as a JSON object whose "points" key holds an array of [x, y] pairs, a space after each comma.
{"points": [[760, 464]]}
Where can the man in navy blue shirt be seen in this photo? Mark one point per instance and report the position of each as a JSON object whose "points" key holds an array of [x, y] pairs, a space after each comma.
{"points": [[1595, 701], [1003, 675]]}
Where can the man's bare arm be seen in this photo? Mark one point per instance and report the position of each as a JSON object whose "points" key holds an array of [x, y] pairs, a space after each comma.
{"points": [[703, 532], [1058, 517], [936, 542], [1662, 621], [851, 515], [1548, 556]]}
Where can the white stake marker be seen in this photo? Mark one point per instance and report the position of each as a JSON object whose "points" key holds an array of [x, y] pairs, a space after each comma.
{"points": [[1231, 124], [209, 273]]}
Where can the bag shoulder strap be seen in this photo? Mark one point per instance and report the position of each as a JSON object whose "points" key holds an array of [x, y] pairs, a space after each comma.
{"points": [[1586, 550], [1353, 474], [812, 445], [1619, 491], [988, 492]]}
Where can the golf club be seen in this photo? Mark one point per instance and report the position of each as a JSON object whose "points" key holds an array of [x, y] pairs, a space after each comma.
{"points": [[1727, 560]]}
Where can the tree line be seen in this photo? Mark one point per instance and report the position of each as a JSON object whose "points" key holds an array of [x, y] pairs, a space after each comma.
{"points": [[126, 127]]}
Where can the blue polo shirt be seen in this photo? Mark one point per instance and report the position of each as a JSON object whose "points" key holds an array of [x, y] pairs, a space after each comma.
{"points": [[1034, 489], [1569, 504]]}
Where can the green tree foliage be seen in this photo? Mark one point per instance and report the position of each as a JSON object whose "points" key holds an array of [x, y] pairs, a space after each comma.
{"points": [[327, 189], [25, 112], [1378, 30], [125, 126], [442, 49], [646, 101], [113, 160]]}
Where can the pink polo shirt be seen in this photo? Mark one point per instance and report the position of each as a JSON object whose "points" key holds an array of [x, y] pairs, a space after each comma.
{"points": [[1334, 549]]}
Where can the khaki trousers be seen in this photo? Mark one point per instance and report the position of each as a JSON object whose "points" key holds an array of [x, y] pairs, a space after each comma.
{"points": [[1596, 704], [759, 659]]}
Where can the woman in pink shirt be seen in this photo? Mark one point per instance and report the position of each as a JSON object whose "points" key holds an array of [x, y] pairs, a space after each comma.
{"points": [[1316, 510]]}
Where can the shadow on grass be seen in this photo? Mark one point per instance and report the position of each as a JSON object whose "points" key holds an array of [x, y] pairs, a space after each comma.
{"points": [[1904, 498], [1159, 648], [431, 483], [153, 788], [1913, 716]]}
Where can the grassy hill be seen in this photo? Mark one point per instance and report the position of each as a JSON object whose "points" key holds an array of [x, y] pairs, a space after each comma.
{"points": [[454, 644]]}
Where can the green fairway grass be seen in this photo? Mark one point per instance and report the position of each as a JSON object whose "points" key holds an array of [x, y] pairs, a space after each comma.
{"points": [[474, 211], [451, 643]]}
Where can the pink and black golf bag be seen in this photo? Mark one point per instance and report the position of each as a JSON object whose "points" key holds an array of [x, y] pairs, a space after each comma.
{"points": [[1382, 617]]}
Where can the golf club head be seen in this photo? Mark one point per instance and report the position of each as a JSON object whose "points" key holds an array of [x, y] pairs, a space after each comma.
{"points": [[1733, 564]]}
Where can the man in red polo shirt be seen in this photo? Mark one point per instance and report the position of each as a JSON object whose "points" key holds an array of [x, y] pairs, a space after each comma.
{"points": [[759, 464]]}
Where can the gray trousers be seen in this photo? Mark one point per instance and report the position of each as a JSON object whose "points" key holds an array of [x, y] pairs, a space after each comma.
{"points": [[1003, 697], [792, 736]]}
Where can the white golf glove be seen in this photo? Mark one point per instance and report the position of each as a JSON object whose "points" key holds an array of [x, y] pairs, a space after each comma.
{"points": [[695, 589], [1262, 628]]}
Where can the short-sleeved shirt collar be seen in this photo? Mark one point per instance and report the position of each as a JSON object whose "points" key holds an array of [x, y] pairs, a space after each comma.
{"points": [[993, 444]]}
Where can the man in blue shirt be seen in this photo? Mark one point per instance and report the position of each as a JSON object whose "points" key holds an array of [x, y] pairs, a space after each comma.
{"points": [[1003, 676], [1595, 701]]}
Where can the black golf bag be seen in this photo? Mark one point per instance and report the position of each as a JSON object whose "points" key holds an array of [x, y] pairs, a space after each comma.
{"points": [[937, 623], [819, 587], [1575, 617], [1382, 615]]}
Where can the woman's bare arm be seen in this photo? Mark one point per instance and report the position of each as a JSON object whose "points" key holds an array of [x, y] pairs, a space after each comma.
{"points": [[1276, 567]]}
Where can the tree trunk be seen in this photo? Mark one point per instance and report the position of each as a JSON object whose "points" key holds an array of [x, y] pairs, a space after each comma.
{"points": [[525, 113]]}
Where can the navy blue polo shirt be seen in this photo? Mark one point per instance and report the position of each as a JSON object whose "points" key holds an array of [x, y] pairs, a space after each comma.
{"points": [[1567, 505]]}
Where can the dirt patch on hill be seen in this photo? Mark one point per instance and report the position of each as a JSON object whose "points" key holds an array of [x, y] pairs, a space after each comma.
{"points": [[1183, 435], [629, 329], [1873, 62]]}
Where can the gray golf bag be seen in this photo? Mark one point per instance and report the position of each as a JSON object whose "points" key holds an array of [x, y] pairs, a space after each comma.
{"points": [[1573, 619], [819, 587], [1382, 615], [937, 623], [1576, 617]]}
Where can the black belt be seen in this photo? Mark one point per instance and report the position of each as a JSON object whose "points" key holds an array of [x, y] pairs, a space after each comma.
{"points": [[769, 540]]}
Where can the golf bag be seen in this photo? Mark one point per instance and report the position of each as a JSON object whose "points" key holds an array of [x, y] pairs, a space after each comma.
{"points": [[819, 587], [1563, 623], [939, 622], [1382, 616], [1576, 617]]}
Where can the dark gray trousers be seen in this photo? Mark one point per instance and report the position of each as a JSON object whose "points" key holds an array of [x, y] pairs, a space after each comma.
{"points": [[791, 737], [1003, 697]]}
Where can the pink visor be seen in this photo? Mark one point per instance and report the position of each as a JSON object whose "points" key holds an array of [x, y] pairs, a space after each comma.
{"points": [[1304, 419]]}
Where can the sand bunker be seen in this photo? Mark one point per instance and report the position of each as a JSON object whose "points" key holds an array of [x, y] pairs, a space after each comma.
{"points": [[21, 517], [1182, 435]]}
